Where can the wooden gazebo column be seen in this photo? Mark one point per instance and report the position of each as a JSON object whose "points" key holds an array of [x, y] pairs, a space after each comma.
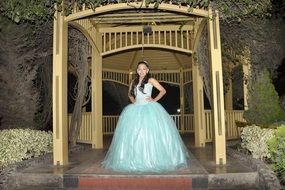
{"points": [[182, 103], [59, 91], [218, 111], [198, 101], [198, 91], [97, 109]]}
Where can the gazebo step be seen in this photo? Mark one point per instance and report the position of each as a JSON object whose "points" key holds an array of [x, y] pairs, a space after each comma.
{"points": [[38, 179], [138, 182], [227, 181]]}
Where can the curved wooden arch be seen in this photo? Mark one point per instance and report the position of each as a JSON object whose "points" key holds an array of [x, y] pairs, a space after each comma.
{"points": [[198, 34], [146, 46], [135, 5], [83, 30]]}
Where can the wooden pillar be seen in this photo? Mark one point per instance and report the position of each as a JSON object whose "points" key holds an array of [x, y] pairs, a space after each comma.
{"points": [[59, 91], [218, 112], [97, 110], [198, 101], [182, 103]]}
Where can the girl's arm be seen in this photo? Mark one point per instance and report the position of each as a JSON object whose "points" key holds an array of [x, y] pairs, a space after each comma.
{"points": [[158, 86], [129, 93]]}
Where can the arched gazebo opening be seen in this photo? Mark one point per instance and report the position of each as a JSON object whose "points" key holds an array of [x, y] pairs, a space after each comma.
{"points": [[117, 36]]}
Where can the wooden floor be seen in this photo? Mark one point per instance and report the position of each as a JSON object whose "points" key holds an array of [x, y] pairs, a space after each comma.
{"points": [[85, 171]]}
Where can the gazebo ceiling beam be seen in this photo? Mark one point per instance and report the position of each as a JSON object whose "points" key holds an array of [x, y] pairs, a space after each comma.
{"points": [[133, 21], [178, 60], [135, 53], [153, 18]]}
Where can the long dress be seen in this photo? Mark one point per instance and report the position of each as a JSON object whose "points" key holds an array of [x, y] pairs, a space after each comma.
{"points": [[146, 139]]}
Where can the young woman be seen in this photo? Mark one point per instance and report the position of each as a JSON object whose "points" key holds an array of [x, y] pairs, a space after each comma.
{"points": [[146, 138]]}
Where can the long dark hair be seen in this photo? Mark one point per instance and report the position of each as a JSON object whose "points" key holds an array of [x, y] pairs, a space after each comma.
{"points": [[136, 80]]}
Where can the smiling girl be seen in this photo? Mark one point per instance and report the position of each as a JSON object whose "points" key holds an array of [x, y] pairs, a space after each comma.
{"points": [[146, 138]]}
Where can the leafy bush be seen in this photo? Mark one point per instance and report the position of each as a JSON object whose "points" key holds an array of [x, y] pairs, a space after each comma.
{"points": [[263, 105], [277, 150], [20, 144], [254, 139]]}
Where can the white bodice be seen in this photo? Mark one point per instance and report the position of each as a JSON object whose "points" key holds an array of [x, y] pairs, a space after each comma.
{"points": [[140, 97]]}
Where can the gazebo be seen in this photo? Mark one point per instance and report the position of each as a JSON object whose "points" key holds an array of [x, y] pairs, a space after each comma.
{"points": [[167, 36]]}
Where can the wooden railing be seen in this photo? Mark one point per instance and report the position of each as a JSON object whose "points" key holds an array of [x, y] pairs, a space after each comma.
{"points": [[170, 36], [110, 121], [208, 125], [232, 132], [169, 76]]}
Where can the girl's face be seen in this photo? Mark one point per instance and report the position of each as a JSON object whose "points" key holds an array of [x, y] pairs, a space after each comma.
{"points": [[142, 70]]}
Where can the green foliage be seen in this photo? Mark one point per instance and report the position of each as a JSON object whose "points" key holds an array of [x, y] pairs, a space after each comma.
{"points": [[254, 139], [244, 8], [277, 150], [39, 11], [20, 144], [263, 103], [35, 11]]}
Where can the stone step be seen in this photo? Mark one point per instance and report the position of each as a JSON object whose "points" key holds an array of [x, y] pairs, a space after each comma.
{"points": [[139, 182], [228, 181]]}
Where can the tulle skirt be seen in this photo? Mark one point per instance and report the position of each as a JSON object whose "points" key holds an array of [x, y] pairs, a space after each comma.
{"points": [[146, 140]]}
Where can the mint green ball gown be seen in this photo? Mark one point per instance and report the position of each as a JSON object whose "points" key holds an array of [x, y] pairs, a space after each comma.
{"points": [[146, 139]]}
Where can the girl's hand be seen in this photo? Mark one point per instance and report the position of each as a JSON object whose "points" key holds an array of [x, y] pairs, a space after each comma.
{"points": [[150, 99]]}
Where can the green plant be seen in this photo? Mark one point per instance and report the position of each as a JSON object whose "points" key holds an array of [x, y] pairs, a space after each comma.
{"points": [[277, 150], [39, 11], [264, 107], [20, 144], [254, 139]]}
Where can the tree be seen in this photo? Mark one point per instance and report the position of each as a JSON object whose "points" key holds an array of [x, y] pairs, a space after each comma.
{"points": [[41, 11], [264, 105], [25, 75], [78, 65]]}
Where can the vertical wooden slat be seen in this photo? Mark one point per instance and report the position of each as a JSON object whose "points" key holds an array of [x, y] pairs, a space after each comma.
{"points": [[159, 38], [137, 38], [132, 43], [121, 36], [110, 47], [181, 36], [170, 37], [175, 38], [187, 39], [126, 39], [142, 37], [164, 33], [115, 40]]}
